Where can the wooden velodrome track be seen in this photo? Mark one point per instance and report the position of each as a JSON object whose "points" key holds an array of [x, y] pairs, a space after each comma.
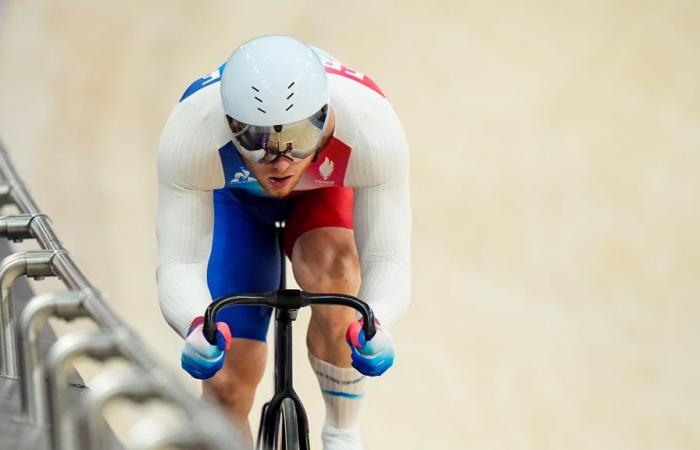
{"points": [[555, 187]]}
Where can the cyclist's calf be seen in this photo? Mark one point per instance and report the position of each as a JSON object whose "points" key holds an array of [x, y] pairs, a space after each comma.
{"points": [[234, 386]]}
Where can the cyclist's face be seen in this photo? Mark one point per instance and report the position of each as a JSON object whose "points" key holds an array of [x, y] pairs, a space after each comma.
{"points": [[280, 177]]}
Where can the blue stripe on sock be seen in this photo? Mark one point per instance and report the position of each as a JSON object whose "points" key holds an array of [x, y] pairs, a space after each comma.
{"points": [[342, 394]]}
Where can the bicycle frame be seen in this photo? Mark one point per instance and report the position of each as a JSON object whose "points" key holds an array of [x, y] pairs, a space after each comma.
{"points": [[269, 420], [270, 415]]}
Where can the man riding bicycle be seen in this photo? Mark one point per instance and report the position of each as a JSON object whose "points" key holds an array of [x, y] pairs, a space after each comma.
{"points": [[284, 132]]}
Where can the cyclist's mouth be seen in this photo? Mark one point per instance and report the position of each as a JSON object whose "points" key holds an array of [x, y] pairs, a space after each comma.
{"points": [[280, 181]]}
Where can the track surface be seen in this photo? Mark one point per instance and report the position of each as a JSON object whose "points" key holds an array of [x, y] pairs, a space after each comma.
{"points": [[556, 194]]}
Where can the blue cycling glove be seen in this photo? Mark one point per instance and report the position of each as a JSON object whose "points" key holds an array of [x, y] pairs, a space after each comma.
{"points": [[199, 358], [374, 357]]}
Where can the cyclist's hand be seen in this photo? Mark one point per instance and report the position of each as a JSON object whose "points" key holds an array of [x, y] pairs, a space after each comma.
{"points": [[373, 357], [199, 358]]}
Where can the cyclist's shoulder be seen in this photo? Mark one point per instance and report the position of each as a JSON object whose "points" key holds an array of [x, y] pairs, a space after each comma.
{"points": [[201, 102], [360, 104], [200, 85], [342, 76], [354, 94], [379, 150], [200, 112], [193, 135], [379, 147]]}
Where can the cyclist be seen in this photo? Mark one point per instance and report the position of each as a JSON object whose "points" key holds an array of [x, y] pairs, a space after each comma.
{"points": [[284, 131]]}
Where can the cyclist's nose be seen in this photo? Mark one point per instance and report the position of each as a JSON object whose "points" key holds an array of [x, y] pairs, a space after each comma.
{"points": [[281, 163]]}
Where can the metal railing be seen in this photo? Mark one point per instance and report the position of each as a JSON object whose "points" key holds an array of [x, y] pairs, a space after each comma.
{"points": [[45, 404]]}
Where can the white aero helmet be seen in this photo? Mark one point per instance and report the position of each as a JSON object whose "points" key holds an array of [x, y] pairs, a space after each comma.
{"points": [[275, 94]]}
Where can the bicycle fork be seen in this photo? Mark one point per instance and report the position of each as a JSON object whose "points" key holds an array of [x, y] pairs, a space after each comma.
{"points": [[269, 421]]}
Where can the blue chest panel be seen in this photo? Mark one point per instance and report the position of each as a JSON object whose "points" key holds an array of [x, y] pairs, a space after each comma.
{"points": [[237, 174]]}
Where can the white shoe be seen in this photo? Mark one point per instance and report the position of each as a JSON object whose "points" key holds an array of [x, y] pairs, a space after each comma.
{"points": [[340, 439]]}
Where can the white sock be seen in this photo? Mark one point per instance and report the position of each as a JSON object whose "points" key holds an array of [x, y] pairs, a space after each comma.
{"points": [[343, 390]]}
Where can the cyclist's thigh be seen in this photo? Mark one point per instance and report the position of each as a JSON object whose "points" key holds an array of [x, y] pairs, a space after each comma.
{"points": [[319, 208], [244, 258]]}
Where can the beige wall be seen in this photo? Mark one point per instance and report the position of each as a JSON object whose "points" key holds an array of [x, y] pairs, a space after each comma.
{"points": [[555, 182]]}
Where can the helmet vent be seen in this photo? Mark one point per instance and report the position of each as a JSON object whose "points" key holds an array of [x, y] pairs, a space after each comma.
{"points": [[258, 99], [290, 95]]}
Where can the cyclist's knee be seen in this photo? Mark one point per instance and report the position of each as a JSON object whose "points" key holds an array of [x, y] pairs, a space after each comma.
{"points": [[325, 259], [332, 320], [234, 385], [328, 326], [325, 337]]}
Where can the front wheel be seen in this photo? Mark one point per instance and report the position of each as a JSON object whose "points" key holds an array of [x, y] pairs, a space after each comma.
{"points": [[287, 437]]}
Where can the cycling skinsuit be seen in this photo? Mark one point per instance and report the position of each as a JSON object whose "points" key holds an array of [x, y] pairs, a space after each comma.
{"points": [[216, 226]]}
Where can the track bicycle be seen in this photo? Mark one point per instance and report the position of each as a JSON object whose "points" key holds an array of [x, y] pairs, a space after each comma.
{"points": [[284, 424]]}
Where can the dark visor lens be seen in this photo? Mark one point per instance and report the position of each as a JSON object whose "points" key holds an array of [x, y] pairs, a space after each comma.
{"points": [[294, 140], [253, 140]]}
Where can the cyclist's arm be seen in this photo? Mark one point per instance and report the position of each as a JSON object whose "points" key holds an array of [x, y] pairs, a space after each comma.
{"points": [[382, 215], [188, 171]]}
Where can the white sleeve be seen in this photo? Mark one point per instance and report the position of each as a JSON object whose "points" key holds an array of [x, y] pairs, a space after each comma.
{"points": [[188, 170], [382, 215]]}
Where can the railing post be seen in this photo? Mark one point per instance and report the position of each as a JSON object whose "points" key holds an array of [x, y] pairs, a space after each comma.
{"points": [[134, 385], [34, 264], [152, 434], [99, 345], [5, 190], [66, 305]]}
